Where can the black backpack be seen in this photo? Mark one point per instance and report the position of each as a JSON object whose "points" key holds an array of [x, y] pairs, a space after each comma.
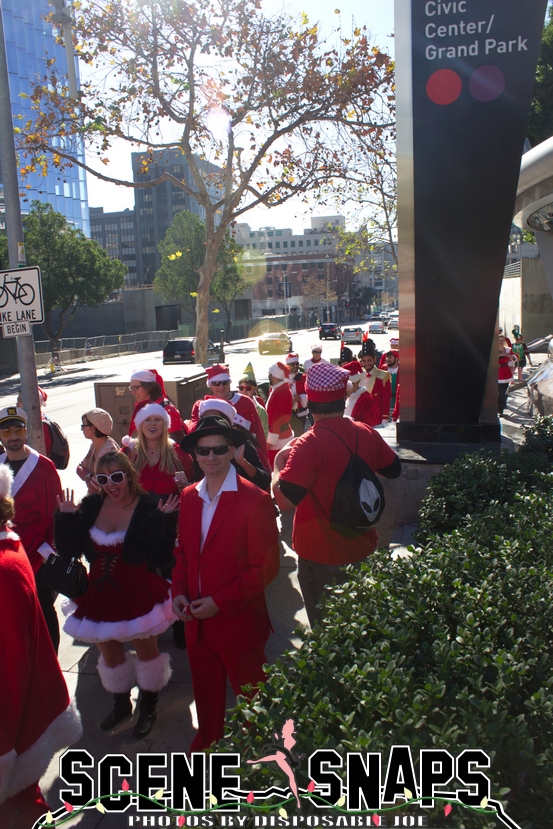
{"points": [[358, 499], [59, 451]]}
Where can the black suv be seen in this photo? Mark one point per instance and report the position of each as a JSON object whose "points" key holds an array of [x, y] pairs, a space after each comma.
{"points": [[329, 329], [183, 350]]}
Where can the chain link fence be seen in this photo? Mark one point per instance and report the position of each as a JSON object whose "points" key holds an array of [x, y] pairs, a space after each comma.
{"points": [[82, 349]]}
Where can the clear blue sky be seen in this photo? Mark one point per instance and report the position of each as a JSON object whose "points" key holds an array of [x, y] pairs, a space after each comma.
{"points": [[377, 15]]}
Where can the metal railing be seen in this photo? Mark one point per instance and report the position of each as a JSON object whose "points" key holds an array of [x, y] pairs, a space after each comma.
{"points": [[82, 349]]}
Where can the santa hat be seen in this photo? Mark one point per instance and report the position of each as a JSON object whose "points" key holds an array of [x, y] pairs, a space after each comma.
{"points": [[227, 409], [217, 373], [316, 348], [280, 371], [355, 369], [394, 342], [145, 375], [151, 410], [326, 383], [292, 358], [393, 351], [43, 397], [6, 479]]}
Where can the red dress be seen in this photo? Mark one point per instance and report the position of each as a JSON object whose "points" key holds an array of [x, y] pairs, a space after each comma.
{"points": [[123, 601]]}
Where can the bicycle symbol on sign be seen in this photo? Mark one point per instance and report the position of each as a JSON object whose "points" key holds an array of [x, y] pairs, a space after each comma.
{"points": [[19, 291]]}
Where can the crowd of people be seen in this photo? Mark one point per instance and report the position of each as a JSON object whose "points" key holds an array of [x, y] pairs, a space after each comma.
{"points": [[178, 528]]}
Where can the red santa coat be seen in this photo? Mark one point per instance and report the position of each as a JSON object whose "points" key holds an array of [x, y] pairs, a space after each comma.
{"points": [[363, 407], [246, 416], [35, 489], [279, 412], [238, 560], [378, 383], [38, 719]]}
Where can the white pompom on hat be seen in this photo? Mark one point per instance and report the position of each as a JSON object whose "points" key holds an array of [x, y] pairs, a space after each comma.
{"points": [[218, 405], [6, 479], [151, 410]]}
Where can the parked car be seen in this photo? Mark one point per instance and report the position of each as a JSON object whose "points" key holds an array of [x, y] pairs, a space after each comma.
{"points": [[376, 327], [352, 335], [329, 329], [276, 343], [393, 323], [183, 350]]}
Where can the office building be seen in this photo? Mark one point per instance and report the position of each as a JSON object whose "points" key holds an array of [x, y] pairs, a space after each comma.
{"points": [[298, 272], [29, 39], [156, 206], [116, 233]]}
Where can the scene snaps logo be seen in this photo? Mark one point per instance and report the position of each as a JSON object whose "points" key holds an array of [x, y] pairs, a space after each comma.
{"points": [[206, 790]]}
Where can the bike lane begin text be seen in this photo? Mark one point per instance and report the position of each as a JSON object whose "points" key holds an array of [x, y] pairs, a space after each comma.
{"points": [[20, 316]]}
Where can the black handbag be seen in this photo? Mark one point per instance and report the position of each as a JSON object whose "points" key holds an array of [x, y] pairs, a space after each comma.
{"points": [[66, 577]]}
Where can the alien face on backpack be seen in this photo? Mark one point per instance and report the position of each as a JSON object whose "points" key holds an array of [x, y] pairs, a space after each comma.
{"points": [[369, 497]]}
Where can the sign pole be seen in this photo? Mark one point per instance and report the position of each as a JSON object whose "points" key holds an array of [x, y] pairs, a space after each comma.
{"points": [[14, 227]]}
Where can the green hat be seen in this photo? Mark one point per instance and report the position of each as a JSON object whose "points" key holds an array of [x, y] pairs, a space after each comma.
{"points": [[249, 373]]}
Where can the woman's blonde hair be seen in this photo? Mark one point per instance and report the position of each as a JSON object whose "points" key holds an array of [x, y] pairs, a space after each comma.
{"points": [[168, 459], [112, 461]]}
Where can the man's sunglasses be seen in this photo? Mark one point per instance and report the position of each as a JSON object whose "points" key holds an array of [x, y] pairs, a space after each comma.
{"points": [[220, 382], [245, 388], [8, 430], [115, 478], [203, 451]]}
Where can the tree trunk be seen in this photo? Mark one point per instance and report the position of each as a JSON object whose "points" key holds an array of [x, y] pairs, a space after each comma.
{"points": [[207, 272]]}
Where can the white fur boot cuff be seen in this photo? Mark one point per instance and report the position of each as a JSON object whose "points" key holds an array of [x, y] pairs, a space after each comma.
{"points": [[120, 679], [154, 674]]}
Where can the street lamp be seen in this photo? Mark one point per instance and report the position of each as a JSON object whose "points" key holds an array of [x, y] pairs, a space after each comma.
{"points": [[62, 19]]}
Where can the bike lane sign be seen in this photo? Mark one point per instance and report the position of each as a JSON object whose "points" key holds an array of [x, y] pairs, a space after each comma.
{"points": [[21, 304]]}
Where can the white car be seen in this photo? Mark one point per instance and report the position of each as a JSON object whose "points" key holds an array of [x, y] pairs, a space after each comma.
{"points": [[352, 335]]}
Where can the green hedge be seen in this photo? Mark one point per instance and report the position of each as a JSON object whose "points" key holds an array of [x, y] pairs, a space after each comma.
{"points": [[449, 649]]}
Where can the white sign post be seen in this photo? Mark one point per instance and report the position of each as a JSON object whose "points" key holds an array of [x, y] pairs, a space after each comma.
{"points": [[21, 304]]}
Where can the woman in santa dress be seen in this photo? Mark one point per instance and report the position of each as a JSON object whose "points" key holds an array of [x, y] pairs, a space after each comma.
{"points": [[147, 386], [125, 533], [38, 718], [163, 468]]}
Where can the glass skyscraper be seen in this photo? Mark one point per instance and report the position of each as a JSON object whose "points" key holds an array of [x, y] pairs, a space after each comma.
{"points": [[29, 40]]}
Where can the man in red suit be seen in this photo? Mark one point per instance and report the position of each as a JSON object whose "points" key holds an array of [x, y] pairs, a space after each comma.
{"points": [[226, 556], [35, 488], [218, 382], [279, 410], [376, 381], [360, 406]]}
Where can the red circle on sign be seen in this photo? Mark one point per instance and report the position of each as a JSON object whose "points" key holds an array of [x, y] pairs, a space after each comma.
{"points": [[444, 86]]}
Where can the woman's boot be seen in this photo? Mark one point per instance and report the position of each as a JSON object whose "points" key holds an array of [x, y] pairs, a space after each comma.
{"points": [[151, 676], [119, 681]]}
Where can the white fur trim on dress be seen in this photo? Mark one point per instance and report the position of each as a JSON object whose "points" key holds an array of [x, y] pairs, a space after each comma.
{"points": [[119, 679], [27, 768], [6, 480], [10, 536], [157, 621], [107, 539], [151, 410], [154, 674]]}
